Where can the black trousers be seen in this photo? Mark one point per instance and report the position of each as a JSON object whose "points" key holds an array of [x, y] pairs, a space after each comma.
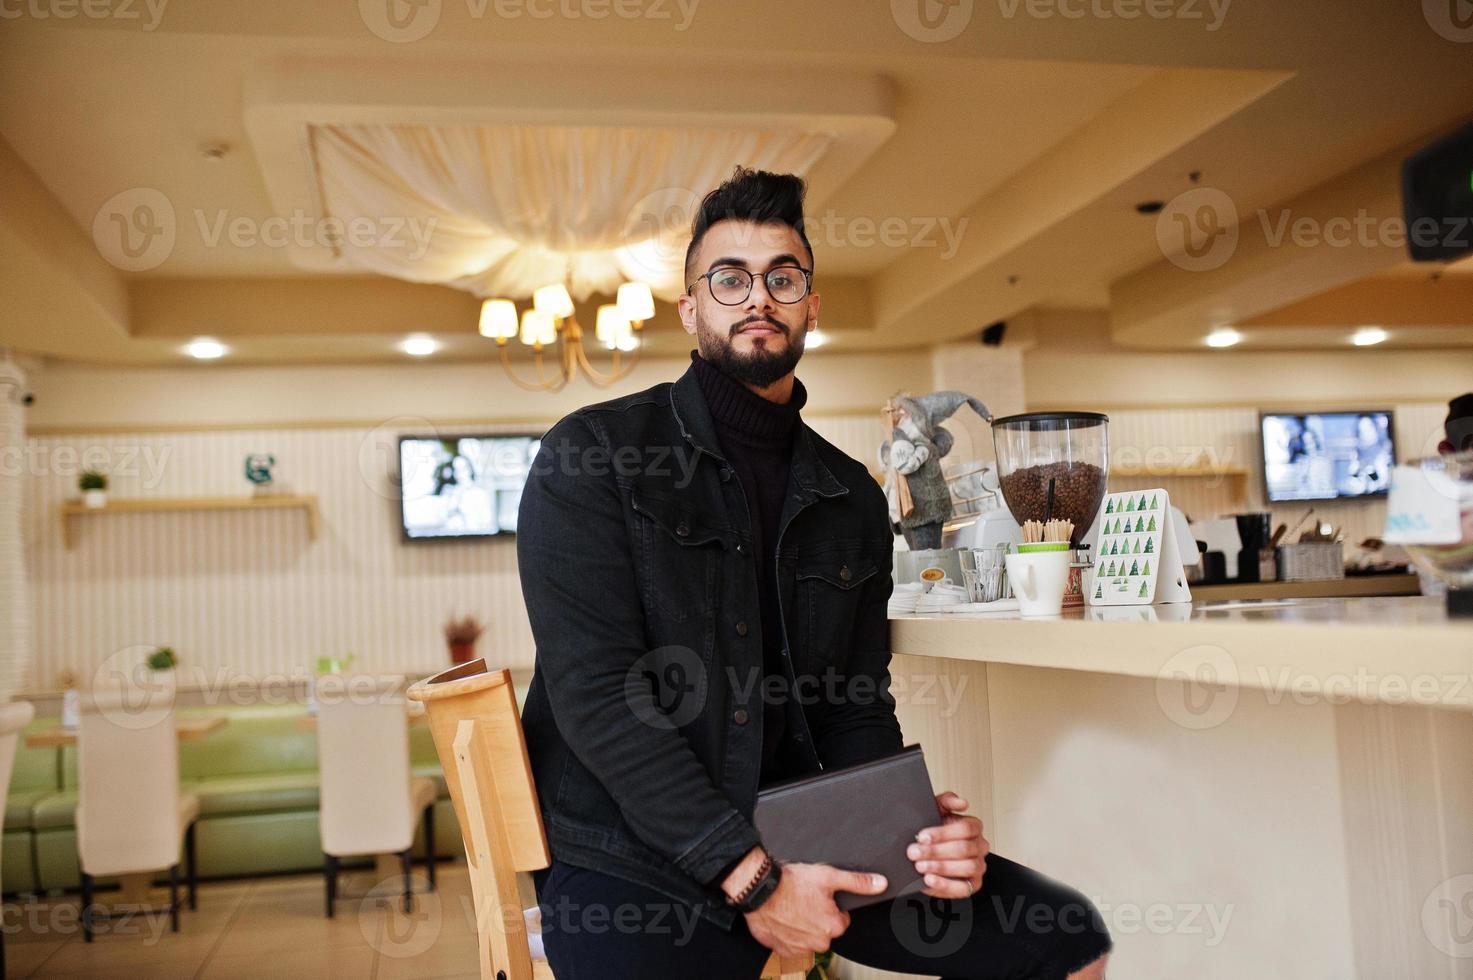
{"points": [[1019, 926]]}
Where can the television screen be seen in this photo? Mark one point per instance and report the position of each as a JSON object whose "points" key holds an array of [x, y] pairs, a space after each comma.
{"points": [[1328, 455], [463, 486]]}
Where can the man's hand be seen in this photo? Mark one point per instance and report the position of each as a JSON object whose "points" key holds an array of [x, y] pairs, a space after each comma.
{"points": [[953, 856], [800, 916]]}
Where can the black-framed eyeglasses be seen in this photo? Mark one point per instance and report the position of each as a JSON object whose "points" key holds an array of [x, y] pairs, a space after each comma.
{"points": [[730, 286]]}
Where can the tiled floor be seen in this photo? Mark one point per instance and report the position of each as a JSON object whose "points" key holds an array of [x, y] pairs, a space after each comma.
{"points": [[258, 928]]}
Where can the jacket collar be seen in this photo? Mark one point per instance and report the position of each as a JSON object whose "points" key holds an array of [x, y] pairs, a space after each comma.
{"points": [[809, 472]]}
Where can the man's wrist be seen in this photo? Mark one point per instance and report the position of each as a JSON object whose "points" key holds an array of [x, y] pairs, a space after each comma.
{"points": [[759, 888], [745, 870]]}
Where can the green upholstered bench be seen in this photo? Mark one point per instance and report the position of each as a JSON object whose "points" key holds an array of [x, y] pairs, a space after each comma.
{"points": [[256, 779]]}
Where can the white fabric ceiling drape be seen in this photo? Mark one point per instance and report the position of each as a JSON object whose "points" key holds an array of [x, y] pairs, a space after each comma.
{"points": [[509, 209]]}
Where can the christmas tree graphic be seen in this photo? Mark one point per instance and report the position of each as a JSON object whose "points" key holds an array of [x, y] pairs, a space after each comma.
{"points": [[1143, 590], [1134, 569], [1138, 546], [1151, 526], [1129, 505], [1109, 507], [1142, 504], [1146, 568], [1140, 523], [1153, 501], [1149, 547], [1099, 592]]}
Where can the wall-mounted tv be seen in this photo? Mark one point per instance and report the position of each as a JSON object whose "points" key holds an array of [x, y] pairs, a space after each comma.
{"points": [[1327, 455], [464, 486]]}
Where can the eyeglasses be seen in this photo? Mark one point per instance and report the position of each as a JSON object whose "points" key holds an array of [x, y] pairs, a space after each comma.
{"points": [[731, 286]]}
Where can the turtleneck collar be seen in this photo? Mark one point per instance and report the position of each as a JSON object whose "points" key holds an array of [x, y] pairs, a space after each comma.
{"points": [[736, 407]]}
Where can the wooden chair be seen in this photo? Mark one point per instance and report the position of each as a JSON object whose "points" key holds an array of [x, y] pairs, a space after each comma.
{"points": [[478, 735]]}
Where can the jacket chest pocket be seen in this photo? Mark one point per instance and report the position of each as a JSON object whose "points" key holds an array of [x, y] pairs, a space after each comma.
{"points": [[681, 555], [828, 586]]}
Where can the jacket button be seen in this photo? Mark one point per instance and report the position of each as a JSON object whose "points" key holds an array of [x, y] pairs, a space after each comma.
{"points": [[740, 716], [741, 548], [682, 530], [741, 629], [725, 473], [845, 574]]}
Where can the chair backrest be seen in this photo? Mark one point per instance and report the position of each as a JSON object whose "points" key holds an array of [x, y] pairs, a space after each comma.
{"points": [[128, 783], [478, 736], [363, 761]]}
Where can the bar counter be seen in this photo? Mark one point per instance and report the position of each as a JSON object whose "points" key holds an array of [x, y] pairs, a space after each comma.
{"points": [[1244, 789]]}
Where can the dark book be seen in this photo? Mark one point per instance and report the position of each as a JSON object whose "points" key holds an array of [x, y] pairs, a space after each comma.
{"points": [[860, 818]]}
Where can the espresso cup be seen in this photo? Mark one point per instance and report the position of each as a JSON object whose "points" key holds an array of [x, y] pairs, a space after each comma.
{"points": [[1039, 580]]}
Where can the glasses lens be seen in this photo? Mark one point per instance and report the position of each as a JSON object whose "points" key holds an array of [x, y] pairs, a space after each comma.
{"points": [[730, 286], [786, 284]]}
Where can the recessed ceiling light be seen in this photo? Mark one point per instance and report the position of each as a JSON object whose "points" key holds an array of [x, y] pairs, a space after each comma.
{"points": [[1368, 336], [205, 349], [420, 346], [1149, 207], [1223, 337]]}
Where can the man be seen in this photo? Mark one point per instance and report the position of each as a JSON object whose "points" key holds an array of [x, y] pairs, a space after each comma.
{"points": [[693, 559]]}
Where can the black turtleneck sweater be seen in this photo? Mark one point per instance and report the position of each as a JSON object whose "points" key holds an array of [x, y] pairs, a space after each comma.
{"points": [[756, 438]]}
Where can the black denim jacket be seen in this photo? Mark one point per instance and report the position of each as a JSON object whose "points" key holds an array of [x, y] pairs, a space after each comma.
{"points": [[644, 717]]}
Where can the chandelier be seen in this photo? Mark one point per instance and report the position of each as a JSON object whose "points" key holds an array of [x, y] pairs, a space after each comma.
{"points": [[551, 324]]}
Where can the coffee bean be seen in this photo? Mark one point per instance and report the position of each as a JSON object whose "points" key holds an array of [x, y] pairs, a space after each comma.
{"points": [[1078, 490]]}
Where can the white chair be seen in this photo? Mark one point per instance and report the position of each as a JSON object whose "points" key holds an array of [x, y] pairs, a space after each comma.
{"points": [[369, 801], [13, 717], [131, 817]]}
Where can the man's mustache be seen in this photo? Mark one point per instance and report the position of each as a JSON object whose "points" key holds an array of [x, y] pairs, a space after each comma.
{"points": [[738, 328]]}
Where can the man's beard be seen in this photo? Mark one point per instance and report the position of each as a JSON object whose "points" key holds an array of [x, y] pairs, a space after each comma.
{"points": [[762, 366]]}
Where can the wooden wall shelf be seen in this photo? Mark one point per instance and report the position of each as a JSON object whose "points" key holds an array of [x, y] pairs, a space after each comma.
{"points": [[1178, 472], [75, 508]]}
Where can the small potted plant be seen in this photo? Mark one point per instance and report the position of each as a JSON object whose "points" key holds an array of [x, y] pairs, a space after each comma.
{"points": [[93, 484], [462, 635], [162, 659]]}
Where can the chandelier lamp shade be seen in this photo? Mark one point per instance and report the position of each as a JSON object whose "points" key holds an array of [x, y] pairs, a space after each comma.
{"points": [[551, 324]]}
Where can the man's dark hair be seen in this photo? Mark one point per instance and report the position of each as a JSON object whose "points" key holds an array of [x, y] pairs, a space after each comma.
{"points": [[759, 196]]}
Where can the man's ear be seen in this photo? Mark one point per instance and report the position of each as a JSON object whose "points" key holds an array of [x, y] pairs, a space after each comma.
{"points": [[813, 302], [686, 307]]}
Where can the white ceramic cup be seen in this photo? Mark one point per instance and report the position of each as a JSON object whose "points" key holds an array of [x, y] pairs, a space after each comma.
{"points": [[1039, 580]]}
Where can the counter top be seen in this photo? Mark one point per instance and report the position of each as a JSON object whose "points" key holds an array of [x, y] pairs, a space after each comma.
{"points": [[1385, 650]]}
